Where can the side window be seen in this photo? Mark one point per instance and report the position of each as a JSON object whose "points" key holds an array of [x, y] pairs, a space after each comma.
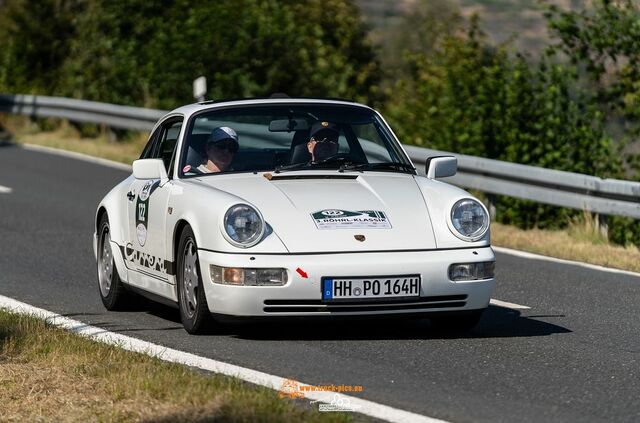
{"points": [[169, 142], [147, 153], [166, 144]]}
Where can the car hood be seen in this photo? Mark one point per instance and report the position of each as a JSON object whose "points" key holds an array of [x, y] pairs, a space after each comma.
{"points": [[314, 213]]}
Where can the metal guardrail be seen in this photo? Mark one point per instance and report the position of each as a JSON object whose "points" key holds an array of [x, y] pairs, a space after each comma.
{"points": [[111, 115], [554, 187]]}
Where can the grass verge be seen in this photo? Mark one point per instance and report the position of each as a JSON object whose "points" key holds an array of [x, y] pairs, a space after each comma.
{"points": [[65, 136], [580, 242], [48, 374], [572, 244]]}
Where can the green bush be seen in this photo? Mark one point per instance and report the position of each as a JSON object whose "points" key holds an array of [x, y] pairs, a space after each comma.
{"points": [[472, 98], [148, 53], [35, 43]]}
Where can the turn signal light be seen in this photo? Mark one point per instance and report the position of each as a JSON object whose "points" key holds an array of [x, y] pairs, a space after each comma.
{"points": [[472, 271], [248, 276]]}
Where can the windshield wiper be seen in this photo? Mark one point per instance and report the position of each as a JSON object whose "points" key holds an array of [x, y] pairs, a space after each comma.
{"points": [[287, 168], [322, 164], [378, 166]]}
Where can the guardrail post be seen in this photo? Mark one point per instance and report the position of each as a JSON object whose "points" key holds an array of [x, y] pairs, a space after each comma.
{"points": [[112, 135], [490, 202], [602, 225]]}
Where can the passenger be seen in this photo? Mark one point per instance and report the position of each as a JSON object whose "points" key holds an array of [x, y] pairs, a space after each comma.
{"points": [[222, 146], [324, 141]]}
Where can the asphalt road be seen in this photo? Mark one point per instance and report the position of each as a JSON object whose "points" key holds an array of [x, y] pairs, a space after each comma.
{"points": [[573, 357]]}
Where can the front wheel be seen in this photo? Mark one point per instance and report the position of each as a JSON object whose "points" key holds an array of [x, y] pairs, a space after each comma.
{"points": [[194, 311], [112, 292]]}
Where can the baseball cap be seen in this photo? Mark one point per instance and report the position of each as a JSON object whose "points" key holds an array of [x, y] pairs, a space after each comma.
{"points": [[324, 129], [222, 133]]}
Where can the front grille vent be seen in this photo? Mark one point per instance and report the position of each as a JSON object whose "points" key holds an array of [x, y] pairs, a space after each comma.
{"points": [[318, 306]]}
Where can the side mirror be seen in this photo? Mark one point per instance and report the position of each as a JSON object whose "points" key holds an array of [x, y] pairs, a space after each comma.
{"points": [[441, 166], [150, 169]]}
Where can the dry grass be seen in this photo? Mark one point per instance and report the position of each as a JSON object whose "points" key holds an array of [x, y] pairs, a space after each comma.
{"points": [[64, 136], [581, 242], [47, 374]]}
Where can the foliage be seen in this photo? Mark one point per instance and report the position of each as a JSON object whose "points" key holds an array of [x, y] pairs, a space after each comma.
{"points": [[418, 31], [606, 41], [148, 53], [472, 98], [603, 42], [35, 43]]}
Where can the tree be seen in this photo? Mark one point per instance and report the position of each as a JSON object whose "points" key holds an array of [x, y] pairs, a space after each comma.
{"points": [[149, 53], [474, 98], [605, 41], [418, 30], [35, 43]]}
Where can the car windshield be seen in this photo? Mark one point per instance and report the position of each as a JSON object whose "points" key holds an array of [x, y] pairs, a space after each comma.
{"points": [[289, 137]]}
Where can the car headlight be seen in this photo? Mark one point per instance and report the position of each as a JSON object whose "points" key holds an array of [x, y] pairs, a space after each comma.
{"points": [[469, 219], [243, 225]]}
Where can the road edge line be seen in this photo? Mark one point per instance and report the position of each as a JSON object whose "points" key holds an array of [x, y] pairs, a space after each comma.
{"points": [[507, 304], [129, 343], [534, 256], [76, 155]]}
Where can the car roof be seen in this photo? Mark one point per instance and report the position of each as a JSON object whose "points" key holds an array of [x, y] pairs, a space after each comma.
{"points": [[190, 109]]}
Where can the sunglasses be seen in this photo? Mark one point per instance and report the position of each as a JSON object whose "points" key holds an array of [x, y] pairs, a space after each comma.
{"points": [[226, 146]]}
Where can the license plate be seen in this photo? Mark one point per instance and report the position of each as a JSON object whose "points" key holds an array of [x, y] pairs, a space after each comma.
{"points": [[367, 288]]}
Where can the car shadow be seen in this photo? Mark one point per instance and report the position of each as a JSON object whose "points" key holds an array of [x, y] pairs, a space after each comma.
{"points": [[496, 322], [164, 312]]}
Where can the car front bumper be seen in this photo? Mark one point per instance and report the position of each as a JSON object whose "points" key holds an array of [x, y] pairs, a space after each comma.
{"points": [[303, 297]]}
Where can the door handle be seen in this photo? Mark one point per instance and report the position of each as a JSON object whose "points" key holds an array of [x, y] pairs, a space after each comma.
{"points": [[131, 195]]}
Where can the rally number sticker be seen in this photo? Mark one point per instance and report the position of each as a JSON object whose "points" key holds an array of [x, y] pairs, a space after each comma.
{"points": [[142, 212], [345, 219]]}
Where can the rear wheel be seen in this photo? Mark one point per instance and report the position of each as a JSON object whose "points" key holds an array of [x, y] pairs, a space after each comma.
{"points": [[194, 311], [112, 292], [457, 323]]}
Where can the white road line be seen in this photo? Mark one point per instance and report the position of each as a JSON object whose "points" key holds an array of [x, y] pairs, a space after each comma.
{"points": [[508, 305], [363, 406], [533, 256], [79, 156], [5, 190]]}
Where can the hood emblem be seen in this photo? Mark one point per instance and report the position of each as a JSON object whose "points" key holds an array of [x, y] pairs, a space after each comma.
{"points": [[360, 238]]}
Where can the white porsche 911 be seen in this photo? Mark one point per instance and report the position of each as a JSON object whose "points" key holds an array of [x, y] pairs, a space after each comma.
{"points": [[291, 207]]}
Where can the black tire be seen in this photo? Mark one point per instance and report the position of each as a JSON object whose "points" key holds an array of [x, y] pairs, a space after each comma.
{"points": [[192, 302], [457, 322], [112, 291]]}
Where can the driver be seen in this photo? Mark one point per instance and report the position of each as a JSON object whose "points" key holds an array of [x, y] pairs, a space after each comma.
{"points": [[222, 146], [324, 141]]}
